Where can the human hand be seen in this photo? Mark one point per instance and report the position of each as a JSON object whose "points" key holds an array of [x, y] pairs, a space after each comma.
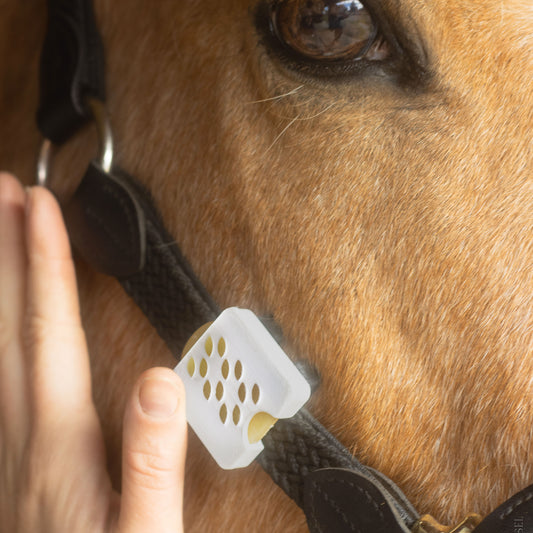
{"points": [[53, 476]]}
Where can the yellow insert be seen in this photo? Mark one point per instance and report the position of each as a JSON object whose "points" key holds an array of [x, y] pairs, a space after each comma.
{"points": [[259, 426], [194, 338]]}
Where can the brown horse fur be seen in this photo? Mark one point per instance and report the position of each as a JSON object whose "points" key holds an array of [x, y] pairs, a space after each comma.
{"points": [[385, 221]]}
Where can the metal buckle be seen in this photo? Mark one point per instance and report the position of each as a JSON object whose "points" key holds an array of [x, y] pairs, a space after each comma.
{"points": [[105, 143], [427, 524]]}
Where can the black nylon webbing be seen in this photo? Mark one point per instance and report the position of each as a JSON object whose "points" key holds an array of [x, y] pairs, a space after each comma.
{"points": [[72, 69], [166, 289], [299, 445]]}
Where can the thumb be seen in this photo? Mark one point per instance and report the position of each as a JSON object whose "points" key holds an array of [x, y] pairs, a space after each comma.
{"points": [[153, 458]]}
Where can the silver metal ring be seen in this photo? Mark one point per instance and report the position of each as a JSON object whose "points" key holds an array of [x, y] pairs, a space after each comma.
{"points": [[105, 143], [105, 135], [43, 163]]}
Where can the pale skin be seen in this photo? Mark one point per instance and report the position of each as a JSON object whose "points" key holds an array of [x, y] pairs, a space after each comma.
{"points": [[53, 475]]}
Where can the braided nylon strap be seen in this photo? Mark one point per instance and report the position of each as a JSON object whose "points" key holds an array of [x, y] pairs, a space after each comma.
{"points": [[297, 446], [166, 289]]}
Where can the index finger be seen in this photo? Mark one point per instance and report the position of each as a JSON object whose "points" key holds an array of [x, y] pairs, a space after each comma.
{"points": [[13, 401], [54, 335]]}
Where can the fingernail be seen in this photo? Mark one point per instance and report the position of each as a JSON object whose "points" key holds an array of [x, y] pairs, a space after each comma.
{"points": [[158, 398]]}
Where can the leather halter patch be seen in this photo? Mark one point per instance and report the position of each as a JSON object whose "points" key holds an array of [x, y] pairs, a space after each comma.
{"points": [[106, 224], [513, 516], [346, 501]]}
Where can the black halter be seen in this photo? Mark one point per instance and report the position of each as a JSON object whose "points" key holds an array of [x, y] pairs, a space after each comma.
{"points": [[114, 225]]}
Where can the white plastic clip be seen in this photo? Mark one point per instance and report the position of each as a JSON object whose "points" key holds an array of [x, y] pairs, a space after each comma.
{"points": [[238, 383]]}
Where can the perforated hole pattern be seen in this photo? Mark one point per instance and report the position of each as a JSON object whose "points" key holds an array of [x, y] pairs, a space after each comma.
{"points": [[205, 368]]}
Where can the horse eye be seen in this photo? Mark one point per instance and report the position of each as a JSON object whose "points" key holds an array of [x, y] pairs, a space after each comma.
{"points": [[328, 30]]}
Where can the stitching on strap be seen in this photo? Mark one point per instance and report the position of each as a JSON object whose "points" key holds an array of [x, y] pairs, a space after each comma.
{"points": [[370, 499], [336, 508], [515, 505]]}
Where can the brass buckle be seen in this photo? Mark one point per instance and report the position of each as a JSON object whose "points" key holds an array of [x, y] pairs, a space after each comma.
{"points": [[427, 524]]}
